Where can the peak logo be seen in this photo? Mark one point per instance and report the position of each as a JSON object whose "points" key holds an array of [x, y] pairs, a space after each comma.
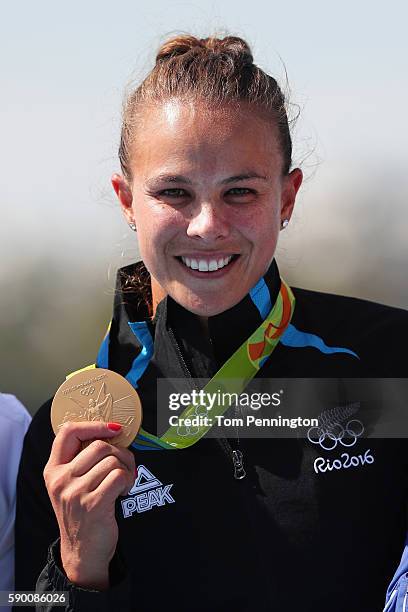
{"points": [[148, 491]]}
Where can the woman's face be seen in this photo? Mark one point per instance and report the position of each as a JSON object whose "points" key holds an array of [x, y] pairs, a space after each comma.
{"points": [[207, 197]]}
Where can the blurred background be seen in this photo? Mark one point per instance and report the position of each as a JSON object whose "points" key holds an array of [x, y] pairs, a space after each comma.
{"points": [[64, 68]]}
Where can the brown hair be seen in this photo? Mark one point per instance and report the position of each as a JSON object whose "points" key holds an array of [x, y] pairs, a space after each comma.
{"points": [[216, 70]]}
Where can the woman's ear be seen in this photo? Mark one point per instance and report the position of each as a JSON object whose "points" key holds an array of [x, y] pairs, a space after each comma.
{"points": [[292, 183], [124, 195]]}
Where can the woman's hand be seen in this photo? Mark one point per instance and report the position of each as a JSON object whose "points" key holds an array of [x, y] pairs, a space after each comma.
{"points": [[83, 486]]}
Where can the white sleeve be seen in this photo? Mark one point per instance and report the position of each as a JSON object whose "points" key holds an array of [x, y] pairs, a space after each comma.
{"points": [[14, 422]]}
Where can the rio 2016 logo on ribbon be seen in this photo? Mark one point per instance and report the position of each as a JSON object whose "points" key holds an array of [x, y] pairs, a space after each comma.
{"points": [[329, 436]]}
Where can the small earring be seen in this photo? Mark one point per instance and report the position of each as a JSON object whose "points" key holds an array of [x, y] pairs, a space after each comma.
{"points": [[285, 223], [132, 226]]}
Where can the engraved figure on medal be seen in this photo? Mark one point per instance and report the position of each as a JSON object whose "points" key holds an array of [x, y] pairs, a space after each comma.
{"points": [[102, 406], [101, 410]]}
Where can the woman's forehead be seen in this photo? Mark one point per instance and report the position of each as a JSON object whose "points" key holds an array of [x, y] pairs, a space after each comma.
{"points": [[177, 132], [175, 114]]}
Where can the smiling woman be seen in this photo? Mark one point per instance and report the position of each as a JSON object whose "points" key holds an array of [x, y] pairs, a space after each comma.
{"points": [[206, 178], [224, 522], [208, 229]]}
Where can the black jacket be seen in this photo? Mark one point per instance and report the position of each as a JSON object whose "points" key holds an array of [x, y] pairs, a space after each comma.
{"points": [[288, 536]]}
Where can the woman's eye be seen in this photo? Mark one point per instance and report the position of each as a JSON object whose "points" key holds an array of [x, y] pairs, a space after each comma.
{"points": [[173, 193], [241, 191]]}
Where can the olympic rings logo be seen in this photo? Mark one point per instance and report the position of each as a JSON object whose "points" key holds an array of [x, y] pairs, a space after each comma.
{"points": [[192, 430], [187, 430], [329, 436]]}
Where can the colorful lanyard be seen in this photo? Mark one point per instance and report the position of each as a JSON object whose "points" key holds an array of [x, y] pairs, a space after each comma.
{"points": [[231, 378]]}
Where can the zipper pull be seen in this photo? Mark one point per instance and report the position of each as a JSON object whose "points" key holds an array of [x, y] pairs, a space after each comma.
{"points": [[239, 470]]}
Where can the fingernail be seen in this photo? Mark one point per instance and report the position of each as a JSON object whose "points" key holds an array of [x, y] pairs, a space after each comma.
{"points": [[114, 426]]}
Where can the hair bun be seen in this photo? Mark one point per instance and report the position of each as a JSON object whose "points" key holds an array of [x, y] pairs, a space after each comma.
{"points": [[232, 44], [179, 45]]}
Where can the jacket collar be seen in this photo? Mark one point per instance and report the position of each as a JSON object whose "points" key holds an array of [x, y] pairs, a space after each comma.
{"points": [[226, 330], [203, 356]]}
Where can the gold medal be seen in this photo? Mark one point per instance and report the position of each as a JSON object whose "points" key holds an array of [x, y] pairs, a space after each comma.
{"points": [[98, 395]]}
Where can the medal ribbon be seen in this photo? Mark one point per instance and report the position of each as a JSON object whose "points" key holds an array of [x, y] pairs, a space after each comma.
{"points": [[232, 377]]}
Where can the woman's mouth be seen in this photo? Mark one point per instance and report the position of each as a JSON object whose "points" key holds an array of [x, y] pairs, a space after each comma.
{"points": [[208, 265]]}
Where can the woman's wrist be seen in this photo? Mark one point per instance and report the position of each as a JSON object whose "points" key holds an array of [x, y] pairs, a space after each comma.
{"points": [[85, 575], [86, 578]]}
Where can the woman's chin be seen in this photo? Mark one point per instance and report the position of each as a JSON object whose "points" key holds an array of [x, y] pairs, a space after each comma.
{"points": [[204, 306]]}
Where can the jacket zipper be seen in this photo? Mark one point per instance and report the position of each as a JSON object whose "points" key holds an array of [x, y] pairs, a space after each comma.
{"points": [[237, 458], [180, 356], [235, 454]]}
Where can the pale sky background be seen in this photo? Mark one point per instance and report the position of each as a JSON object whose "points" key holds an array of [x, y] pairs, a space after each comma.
{"points": [[64, 67]]}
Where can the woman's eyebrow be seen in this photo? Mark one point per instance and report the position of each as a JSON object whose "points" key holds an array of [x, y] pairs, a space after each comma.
{"points": [[178, 178], [167, 178], [243, 177]]}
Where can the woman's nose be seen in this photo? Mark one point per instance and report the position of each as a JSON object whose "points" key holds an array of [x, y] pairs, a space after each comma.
{"points": [[208, 221]]}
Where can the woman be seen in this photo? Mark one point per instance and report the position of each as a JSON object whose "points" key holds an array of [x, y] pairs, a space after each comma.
{"points": [[225, 524]]}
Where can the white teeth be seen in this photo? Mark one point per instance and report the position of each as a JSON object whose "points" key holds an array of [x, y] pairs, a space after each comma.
{"points": [[206, 266]]}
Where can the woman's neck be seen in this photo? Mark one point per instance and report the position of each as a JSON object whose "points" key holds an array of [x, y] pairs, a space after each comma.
{"points": [[204, 325], [158, 293]]}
